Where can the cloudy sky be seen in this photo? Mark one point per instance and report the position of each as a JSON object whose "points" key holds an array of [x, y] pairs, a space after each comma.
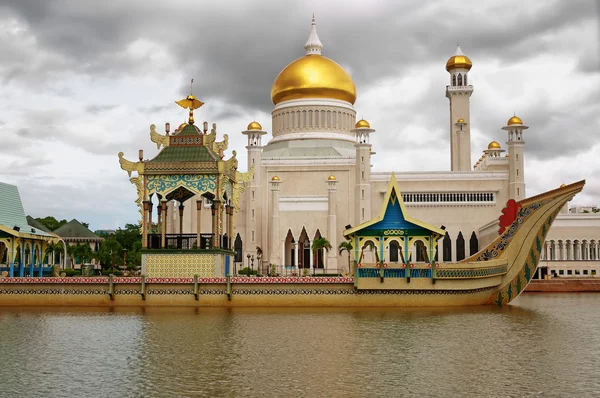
{"points": [[82, 80]]}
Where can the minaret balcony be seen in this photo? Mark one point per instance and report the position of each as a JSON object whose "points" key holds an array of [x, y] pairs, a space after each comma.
{"points": [[460, 88]]}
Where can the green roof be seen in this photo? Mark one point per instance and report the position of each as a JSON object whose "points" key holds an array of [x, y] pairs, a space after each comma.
{"points": [[75, 229], [11, 211], [189, 129], [186, 153], [36, 224]]}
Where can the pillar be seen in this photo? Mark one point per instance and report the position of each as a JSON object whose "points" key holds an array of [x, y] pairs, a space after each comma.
{"points": [[215, 223], [199, 204], [11, 271], [296, 257], [275, 241], [22, 262], [147, 214], [32, 259], [163, 216], [41, 262], [332, 257], [229, 227], [160, 218]]}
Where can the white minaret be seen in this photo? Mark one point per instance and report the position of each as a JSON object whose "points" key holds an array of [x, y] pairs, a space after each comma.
{"points": [[459, 93], [362, 193], [516, 172], [253, 234]]}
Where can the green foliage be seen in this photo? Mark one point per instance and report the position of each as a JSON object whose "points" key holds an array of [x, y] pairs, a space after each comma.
{"points": [[272, 270], [71, 272], [346, 246], [111, 253], [247, 271], [51, 223], [80, 253], [115, 272]]}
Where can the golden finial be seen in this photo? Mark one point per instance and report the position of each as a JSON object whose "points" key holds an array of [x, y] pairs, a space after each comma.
{"points": [[191, 103]]}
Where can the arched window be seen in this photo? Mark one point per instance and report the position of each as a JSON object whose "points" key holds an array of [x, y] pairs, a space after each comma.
{"points": [[460, 247], [394, 252], [447, 248], [453, 80], [473, 244], [237, 244], [459, 79], [465, 79]]}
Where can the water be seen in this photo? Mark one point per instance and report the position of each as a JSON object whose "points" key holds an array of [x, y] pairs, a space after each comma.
{"points": [[542, 345]]}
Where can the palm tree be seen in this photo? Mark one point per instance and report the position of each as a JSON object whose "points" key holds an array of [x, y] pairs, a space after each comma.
{"points": [[317, 245], [346, 246]]}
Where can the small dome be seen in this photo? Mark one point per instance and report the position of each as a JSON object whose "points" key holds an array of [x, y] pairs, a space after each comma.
{"points": [[181, 126], [562, 185], [362, 124], [494, 145], [275, 178], [331, 178], [514, 120], [254, 126], [461, 120]]}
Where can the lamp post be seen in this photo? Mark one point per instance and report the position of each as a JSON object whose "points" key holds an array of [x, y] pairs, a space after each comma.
{"points": [[252, 267], [248, 268], [258, 264], [125, 258]]}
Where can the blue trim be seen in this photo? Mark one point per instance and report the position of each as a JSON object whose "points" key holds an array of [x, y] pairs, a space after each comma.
{"points": [[227, 265]]}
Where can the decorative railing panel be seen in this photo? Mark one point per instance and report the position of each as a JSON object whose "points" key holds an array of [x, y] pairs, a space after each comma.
{"points": [[462, 273]]}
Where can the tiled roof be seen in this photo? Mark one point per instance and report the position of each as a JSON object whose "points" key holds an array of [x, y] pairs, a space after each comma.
{"points": [[12, 213], [74, 229], [191, 153], [38, 225], [189, 129]]}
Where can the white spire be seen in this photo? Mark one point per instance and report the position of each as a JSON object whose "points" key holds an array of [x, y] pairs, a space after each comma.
{"points": [[458, 50], [313, 44]]}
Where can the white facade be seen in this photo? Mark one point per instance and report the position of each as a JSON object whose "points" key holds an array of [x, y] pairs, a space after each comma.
{"points": [[313, 178]]}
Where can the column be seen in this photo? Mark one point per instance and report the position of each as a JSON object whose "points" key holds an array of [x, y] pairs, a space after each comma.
{"points": [[332, 257], [215, 223], [163, 237], [32, 259], [312, 260], [296, 257], [22, 261], [41, 261], [229, 227], [160, 218], [146, 215], [11, 260], [180, 240], [199, 204], [274, 250]]}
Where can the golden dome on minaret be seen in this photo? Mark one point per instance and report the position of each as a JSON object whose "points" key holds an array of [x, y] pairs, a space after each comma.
{"points": [[514, 120], [254, 126], [331, 178], [362, 123], [494, 145], [275, 178], [460, 120], [313, 76], [458, 61]]}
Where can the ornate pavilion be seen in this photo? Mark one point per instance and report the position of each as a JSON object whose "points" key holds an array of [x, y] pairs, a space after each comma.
{"points": [[22, 246], [190, 165]]}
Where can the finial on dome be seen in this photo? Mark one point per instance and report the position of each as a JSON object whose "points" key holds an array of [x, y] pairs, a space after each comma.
{"points": [[313, 44]]}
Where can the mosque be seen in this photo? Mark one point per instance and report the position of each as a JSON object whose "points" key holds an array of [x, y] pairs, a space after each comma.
{"points": [[312, 179]]}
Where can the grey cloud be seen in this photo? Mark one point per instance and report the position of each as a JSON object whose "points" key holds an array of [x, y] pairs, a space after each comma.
{"points": [[100, 108]]}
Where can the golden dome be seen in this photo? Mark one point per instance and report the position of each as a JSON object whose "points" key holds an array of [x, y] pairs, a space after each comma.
{"points": [[514, 120], [181, 126], [494, 145], [275, 178], [331, 178], [562, 185], [254, 126], [362, 123], [461, 120], [313, 76], [459, 61]]}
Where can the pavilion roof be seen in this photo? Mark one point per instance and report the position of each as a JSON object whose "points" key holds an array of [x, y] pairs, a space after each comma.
{"points": [[12, 214], [191, 153], [76, 230], [36, 224]]}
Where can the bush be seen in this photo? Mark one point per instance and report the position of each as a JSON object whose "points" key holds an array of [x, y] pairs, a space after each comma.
{"points": [[247, 271], [71, 272], [115, 272]]}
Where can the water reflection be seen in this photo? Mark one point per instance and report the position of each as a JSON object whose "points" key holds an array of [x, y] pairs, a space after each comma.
{"points": [[543, 344]]}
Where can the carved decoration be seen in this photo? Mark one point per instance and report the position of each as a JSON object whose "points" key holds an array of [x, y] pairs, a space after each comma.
{"points": [[129, 166], [158, 139]]}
